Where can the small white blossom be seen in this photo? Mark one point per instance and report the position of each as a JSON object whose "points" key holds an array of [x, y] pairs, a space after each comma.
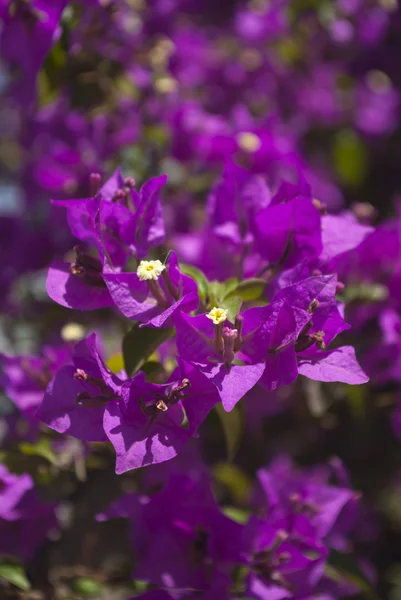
{"points": [[217, 315], [149, 269]]}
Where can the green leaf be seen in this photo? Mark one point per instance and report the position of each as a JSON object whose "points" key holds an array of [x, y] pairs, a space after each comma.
{"points": [[116, 363], [250, 289], [233, 305], [365, 292], [199, 277], [16, 575], [289, 50], [40, 448], [86, 586], [350, 157], [216, 293], [236, 514], [49, 75], [232, 423], [197, 184], [228, 286], [140, 343], [357, 398], [218, 290], [140, 586], [153, 370], [156, 135], [234, 479], [341, 565]]}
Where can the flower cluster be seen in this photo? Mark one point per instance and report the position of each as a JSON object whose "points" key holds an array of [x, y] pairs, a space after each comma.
{"points": [[200, 289], [186, 544], [221, 352], [197, 84]]}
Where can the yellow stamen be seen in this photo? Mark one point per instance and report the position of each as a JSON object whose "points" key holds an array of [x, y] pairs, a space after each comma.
{"points": [[217, 315], [149, 269], [249, 142]]}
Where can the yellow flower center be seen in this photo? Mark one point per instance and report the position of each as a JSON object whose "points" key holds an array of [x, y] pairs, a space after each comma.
{"points": [[149, 269], [165, 85], [249, 142], [217, 315], [72, 332]]}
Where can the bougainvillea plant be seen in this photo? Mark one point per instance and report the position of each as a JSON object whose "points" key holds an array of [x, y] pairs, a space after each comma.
{"points": [[200, 283]]}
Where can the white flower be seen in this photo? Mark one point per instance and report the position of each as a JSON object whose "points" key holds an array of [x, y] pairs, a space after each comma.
{"points": [[149, 269], [217, 315]]}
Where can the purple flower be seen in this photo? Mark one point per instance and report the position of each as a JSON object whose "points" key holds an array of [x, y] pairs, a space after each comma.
{"points": [[289, 231], [147, 228], [289, 545], [25, 378], [315, 296], [203, 544], [101, 224], [307, 494], [79, 284], [13, 488], [76, 398], [234, 356], [154, 293], [247, 225], [119, 221], [200, 249], [197, 133], [377, 107], [24, 519], [317, 95], [326, 322], [373, 259], [258, 26], [283, 564], [334, 365], [341, 233], [233, 203], [70, 145], [29, 31], [289, 191], [154, 422], [146, 423]]}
